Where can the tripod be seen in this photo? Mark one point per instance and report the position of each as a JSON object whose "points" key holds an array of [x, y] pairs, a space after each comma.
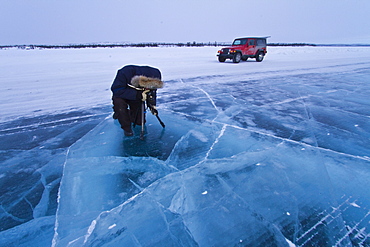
{"points": [[154, 112]]}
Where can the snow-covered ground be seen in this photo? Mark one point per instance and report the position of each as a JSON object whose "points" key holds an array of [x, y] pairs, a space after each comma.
{"points": [[253, 153], [37, 82]]}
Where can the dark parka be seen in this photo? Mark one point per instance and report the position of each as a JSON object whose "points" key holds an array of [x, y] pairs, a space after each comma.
{"points": [[121, 89]]}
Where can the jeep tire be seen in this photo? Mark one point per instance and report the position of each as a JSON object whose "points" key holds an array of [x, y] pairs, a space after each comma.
{"points": [[237, 57], [259, 57], [221, 59]]}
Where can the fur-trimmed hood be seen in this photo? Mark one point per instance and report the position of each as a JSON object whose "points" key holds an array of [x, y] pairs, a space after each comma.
{"points": [[146, 82]]}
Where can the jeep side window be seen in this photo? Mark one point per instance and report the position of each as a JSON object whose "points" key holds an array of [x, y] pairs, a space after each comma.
{"points": [[237, 42], [261, 42], [251, 42]]}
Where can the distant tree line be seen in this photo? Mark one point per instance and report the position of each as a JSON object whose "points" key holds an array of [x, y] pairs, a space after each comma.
{"points": [[156, 44], [113, 45], [290, 44]]}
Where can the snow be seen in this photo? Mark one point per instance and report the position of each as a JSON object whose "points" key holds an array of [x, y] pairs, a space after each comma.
{"points": [[44, 81], [254, 154]]}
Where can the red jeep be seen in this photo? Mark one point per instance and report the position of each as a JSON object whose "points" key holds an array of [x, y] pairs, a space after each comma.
{"points": [[243, 48]]}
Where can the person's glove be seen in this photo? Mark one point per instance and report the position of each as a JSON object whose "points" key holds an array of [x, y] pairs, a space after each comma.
{"points": [[142, 95], [145, 94]]}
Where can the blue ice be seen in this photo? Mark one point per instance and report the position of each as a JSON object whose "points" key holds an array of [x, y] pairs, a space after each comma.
{"points": [[260, 163], [268, 162]]}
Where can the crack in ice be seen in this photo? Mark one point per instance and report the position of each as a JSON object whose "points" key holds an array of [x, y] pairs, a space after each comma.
{"points": [[215, 142], [326, 220], [207, 94], [365, 158]]}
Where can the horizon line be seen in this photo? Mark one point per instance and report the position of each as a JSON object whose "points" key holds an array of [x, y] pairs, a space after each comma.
{"points": [[159, 44]]}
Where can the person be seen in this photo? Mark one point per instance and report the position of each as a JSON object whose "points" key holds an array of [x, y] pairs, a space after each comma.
{"points": [[132, 86]]}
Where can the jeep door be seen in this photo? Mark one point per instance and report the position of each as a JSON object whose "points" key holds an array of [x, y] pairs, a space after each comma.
{"points": [[252, 47], [244, 46]]}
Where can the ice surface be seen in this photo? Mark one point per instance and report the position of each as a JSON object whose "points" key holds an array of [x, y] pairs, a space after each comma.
{"points": [[33, 152], [254, 163], [253, 154]]}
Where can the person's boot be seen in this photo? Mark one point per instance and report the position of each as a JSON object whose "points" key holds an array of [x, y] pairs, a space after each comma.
{"points": [[128, 132]]}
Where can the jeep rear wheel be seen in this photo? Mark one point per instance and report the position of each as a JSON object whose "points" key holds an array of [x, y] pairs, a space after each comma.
{"points": [[237, 57], [259, 57]]}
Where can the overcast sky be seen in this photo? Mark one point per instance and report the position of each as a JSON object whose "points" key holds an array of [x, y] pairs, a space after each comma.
{"points": [[93, 21]]}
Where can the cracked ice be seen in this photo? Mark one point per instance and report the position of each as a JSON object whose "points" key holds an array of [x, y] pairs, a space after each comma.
{"points": [[279, 159]]}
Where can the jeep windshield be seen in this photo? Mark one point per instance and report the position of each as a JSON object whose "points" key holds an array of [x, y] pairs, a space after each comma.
{"points": [[240, 42]]}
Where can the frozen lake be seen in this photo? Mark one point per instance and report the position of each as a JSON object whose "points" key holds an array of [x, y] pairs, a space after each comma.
{"points": [[253, 154]]}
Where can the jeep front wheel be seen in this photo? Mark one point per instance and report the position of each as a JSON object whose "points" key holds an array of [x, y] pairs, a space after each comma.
{"points": [[259, 57], [237, 57], [221, 59]]}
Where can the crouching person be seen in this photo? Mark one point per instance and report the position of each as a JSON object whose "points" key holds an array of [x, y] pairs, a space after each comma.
{"points": [[130, 89]]}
